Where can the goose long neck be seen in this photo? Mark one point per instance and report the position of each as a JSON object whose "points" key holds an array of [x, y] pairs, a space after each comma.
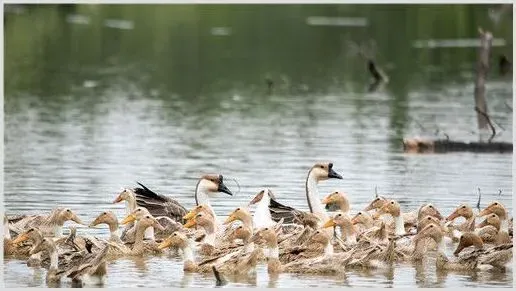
{"points": [[262, 216], [312, 196], [201, 194]]}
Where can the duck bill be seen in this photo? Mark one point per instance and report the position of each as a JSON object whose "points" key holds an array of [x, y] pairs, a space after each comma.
{"points": [[327, 200], [329, 223], [165, 244], [230, 219], [482, 224], [224, 189], [189, 215], [452, 216], [118, 199], [77, 220], [333, 175], [354, 220], [190, 223], [128, 219], [484, 212], [21, 238], [95, 222]]}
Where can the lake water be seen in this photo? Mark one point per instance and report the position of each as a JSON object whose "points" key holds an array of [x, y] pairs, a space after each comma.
{"points": [[98, 97]]}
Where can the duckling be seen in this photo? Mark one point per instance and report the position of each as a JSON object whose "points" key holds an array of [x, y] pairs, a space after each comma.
{"points": [[229, 263], [49, 225], [140, 247], [338, 198]]}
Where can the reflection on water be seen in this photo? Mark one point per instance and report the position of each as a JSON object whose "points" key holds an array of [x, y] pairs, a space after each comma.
{"points": [[90, 109]]}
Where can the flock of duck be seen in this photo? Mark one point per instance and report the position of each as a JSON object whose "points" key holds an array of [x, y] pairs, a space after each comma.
{"points": [[328, 239]]}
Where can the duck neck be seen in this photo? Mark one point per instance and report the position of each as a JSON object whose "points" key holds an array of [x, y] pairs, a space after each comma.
{"points": [[53, 259], [262, 216], [149, 233], [399, 225], [138, 238], [130, 204], [504, 225], [312, 196], [7, 233], [210, 238], [114, 233], [188, 253], [441, 247], [328, 249], [272, 249]]}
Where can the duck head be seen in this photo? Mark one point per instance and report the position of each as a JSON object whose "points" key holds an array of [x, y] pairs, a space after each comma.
{"points": [[468, 239], [463, 210]]}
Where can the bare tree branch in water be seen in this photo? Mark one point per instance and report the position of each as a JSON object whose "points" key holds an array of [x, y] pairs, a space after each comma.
{"points": [[479, 196], [488, 122]]}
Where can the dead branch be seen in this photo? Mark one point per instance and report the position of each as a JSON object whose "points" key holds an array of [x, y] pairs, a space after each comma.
{"points": [[479, 196], [488, 122]]}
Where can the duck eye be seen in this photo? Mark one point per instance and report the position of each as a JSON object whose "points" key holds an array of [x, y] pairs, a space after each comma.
{"points": [[238, 209], [147, 216], [496, 203], [392, 202], [464, 206], [104, 213], [175, 234], [68, 210], [359, 213], [266, 228], [139, 210]]}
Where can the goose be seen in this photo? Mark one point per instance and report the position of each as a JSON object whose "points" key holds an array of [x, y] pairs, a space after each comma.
{"points": [[319, 172], [159, 205]]}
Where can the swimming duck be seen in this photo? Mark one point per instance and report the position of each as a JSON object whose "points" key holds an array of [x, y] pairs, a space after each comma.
{"points": [[318, 244], [393, 208], [496, 256], [140, 247], [319, 172], [489, 230], [234, 262], [464, 211], [92, 272], [409, 218], [498, 209], [206, 222], [348, 231], [49, 225], [117, 246]]}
